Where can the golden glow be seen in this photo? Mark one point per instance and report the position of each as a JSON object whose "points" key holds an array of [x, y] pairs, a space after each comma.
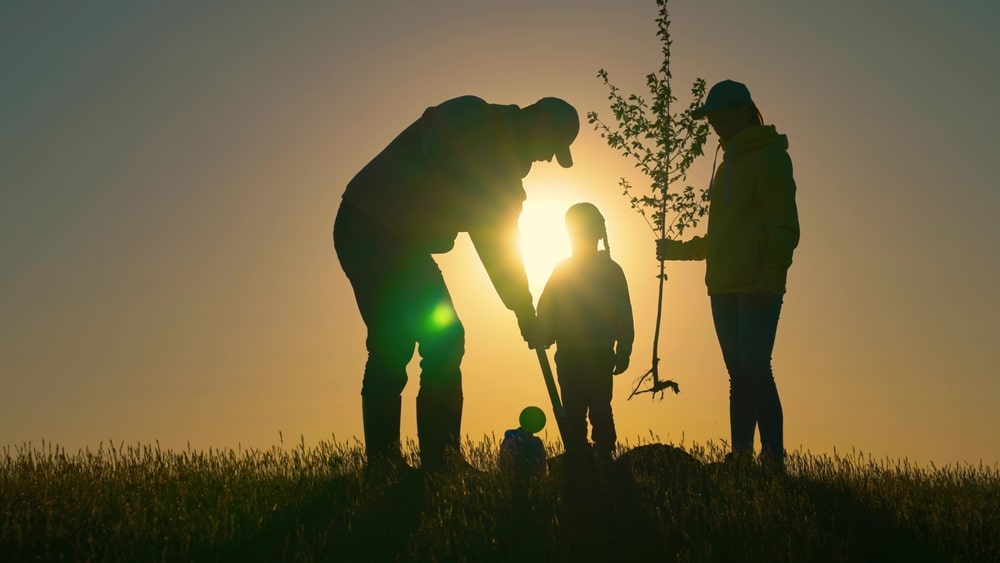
{"points": [[244, 321], [543, 237]]}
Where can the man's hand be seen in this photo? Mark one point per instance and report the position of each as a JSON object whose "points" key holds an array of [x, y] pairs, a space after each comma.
{"points": [[528, 324]]}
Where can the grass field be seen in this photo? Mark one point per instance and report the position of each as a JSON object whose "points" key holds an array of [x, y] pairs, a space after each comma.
{"points": [[657, 502]]}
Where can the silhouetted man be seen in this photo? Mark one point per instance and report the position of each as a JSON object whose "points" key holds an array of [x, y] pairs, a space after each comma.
{"points": [[458, 168]]}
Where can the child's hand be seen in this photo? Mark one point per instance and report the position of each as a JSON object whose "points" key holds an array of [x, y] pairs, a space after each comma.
{"points": [[621, 361]]}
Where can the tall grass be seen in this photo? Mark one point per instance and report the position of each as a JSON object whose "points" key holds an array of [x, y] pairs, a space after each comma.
{"points": [[143, 503]]}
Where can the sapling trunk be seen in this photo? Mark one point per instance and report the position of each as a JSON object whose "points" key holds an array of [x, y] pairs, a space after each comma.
{"points": [[664, 146]]}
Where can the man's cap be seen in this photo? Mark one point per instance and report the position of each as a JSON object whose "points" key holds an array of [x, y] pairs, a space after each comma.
{"points": [[565, 127], [532, 419], [724, 94]]}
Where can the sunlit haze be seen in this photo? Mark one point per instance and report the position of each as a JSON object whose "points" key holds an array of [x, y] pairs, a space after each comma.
{"points": [[170, 172], [543, 235]]}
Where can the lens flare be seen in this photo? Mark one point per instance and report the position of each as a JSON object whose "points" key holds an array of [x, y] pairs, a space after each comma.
{"points": [[442, 316]]}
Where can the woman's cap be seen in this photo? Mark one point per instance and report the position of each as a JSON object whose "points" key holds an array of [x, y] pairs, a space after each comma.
{"points": [[722, 95]]}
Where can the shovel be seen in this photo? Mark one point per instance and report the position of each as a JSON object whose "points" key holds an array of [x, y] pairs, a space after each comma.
{"points": [[550, 384]]}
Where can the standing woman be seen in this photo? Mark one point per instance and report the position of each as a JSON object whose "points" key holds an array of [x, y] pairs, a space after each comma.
{"points": [[753, 228]]}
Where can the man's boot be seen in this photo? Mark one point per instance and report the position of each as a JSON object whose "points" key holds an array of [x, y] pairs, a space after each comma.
{"points": [[381, 420], [439, 429]]}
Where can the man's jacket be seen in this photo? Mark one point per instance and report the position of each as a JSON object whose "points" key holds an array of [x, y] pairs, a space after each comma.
{"points": [[458, 168]]}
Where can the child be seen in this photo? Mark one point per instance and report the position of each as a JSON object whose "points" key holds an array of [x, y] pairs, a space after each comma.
{"points": [[521, 452], [586, 311]]}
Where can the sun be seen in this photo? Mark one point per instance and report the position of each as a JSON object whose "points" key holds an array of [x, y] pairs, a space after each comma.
{"points": [[544, 241]]}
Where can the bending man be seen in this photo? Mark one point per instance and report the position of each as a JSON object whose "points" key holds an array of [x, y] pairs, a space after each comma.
{"points": [[458, 168]]}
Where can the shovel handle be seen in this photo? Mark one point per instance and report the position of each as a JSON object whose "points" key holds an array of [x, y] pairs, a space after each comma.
{"points": [[550, 384]]}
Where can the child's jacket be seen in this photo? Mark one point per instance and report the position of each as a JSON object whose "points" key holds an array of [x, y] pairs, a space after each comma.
{"points": [[585, 304]]}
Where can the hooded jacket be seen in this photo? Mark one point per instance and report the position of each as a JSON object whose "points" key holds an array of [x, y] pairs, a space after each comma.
{"points": [[753, 224], [458, 168]]}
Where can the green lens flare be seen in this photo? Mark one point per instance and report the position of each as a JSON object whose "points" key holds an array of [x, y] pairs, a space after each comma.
{"points": [[532, 419], [442, 316]]}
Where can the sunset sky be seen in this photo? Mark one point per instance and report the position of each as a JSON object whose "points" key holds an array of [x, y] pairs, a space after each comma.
{"points": [[169, 175]]}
